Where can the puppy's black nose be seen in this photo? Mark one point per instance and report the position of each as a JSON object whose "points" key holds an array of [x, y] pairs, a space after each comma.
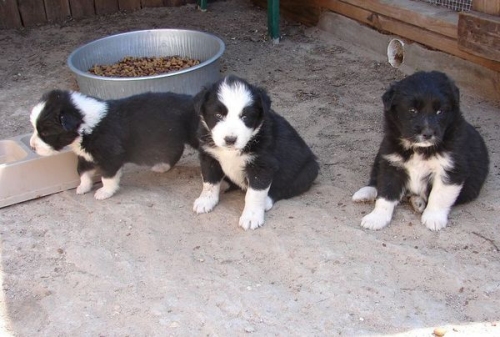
{"points": [[427, 133], [230, 140]]}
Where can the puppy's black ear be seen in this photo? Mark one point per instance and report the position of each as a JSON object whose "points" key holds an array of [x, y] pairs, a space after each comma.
{"points": [[68, 121], [456, 94], [199, 100], [264, 101], [388, 97]]}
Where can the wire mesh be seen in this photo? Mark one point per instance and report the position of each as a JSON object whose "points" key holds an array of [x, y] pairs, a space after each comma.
{"points": [[456, 5]]}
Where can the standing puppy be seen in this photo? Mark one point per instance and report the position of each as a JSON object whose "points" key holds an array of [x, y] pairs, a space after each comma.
{"points": [[145, 129], [429, 152], [243, 140]]}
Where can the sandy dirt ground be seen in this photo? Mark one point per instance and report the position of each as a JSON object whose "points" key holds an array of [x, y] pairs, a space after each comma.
{"points": [[143, 264]]}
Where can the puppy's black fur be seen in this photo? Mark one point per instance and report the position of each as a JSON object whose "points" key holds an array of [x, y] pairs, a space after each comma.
{"points": [[145, 129], [281, 158], [424, 124], [243, 140]]}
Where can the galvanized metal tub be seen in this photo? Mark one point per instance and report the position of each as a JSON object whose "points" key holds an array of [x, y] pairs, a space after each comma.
{"points": [[206, 48]]}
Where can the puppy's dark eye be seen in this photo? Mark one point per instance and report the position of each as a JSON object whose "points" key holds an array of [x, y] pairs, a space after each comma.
{"points": [[243, 117], [219, 116], [413, 111], [439, 112]]}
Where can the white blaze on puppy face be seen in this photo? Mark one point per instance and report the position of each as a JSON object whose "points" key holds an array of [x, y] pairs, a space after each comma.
{"points": [[235, 97], [40, 147]]}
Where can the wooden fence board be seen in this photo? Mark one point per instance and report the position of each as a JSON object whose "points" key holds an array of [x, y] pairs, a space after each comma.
{"points": [[151, 3], [57, 10], [81, 8], [487, 6], [106, 6], [129, 5], [32, 12], [176, 3], [9, 14], [479, 34]]}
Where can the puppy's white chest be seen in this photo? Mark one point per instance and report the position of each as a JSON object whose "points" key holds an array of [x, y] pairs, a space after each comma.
{"points": [[422, 172], [233, 164]]}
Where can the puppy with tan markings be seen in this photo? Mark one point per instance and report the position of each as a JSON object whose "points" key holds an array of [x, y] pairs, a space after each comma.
{"points": [[145, 129], [244, 141], [428, 153]]}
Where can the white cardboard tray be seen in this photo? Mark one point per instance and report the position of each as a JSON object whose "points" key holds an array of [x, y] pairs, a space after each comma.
{"points": [[24, 175]]}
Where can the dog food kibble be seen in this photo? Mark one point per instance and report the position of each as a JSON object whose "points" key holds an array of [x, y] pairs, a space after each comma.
{"points": [[143, 66], [439, 332]]}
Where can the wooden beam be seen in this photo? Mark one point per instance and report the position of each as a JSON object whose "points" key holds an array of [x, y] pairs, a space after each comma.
{"points": [[408, 31], [479, 34], [433, 18], [487, 6]]}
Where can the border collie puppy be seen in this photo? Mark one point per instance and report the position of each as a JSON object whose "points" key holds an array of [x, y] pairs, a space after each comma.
{"points": [[428, 152], [145, 129], [244, 141]]}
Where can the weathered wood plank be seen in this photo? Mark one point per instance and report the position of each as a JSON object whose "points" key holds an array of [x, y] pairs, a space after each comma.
{"points": [[129, 5], [479, 34], [57, 10], [434, 18], [487, 6], [81, 8], [32, 12], [106, 6], [9, 14], [414, 33]]}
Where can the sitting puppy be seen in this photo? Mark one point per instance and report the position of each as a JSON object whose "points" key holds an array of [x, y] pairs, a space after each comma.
{"points": [[429, 152], [244, 141], [146, 129]]}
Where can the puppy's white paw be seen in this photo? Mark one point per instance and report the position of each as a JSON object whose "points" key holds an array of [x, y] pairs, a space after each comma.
{"points": [[435, 219], [205, 204], [418, 203], [252, 218], [375, 220], [103, 193], [364, 194], [85, 183], [161, 168], [83, 188], [208, 198]]}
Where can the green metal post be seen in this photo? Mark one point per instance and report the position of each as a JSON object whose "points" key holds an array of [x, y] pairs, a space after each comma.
{"points": [[273, 20], [202, 4]]}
